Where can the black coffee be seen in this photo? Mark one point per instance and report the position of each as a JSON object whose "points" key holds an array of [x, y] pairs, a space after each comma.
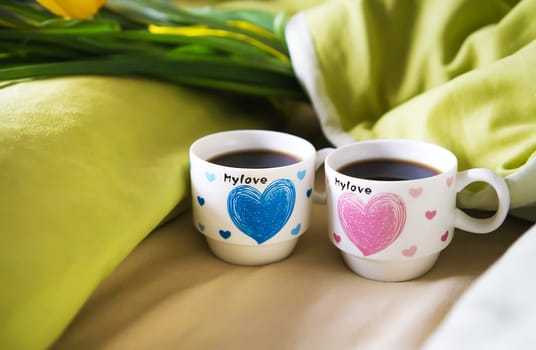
{"points": [[254, 159], [388, 170]]}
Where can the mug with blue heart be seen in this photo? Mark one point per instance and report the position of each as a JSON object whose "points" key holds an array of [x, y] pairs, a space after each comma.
{"points": [[252, 193]]}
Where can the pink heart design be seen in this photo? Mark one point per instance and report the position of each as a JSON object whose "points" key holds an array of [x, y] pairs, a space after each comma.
{"points": [[410, 251], [430, 214], [449, 181], [444, 236], [337, 237], [372, 227], [415, 192]]}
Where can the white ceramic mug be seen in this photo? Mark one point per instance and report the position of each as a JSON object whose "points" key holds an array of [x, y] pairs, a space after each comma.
{"points": [[252, 216], [395, 230]]}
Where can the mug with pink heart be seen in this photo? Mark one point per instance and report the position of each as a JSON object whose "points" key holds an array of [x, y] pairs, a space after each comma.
{"points": [[392, 205]]}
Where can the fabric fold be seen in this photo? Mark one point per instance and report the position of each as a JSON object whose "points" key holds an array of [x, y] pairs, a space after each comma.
{"points": [[459, 74], [497, 311]]}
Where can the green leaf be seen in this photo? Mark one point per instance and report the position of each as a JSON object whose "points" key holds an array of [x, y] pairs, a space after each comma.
{"points": [[165, 13], [211, 73], [78, 27], [23, 15]]}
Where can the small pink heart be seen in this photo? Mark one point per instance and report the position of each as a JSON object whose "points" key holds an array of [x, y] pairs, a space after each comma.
{"points": [[337, 237], [444, 236], [430, 214], [410, 251], [415, 192], [449, 181]]}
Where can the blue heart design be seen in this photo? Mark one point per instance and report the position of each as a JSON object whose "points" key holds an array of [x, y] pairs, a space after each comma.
{"points": [[201, 227], [295, 230], [301, 174], [262, 215], [309, 192], [210, 176], [225, 234], [200, 200]]}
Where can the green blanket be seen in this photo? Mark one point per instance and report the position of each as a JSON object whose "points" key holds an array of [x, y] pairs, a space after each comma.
{"points": [[457, 73], [91, 165]]}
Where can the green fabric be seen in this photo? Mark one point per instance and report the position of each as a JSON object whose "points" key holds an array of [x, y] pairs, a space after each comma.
{"points": [[458, 73], [89, 166]]}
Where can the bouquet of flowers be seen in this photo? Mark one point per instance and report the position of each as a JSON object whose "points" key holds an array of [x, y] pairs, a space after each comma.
{"points": [[235, 50]]}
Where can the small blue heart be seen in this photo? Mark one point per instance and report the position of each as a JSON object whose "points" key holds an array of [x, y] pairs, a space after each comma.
{"points": [[200, 200], [309, 192], [296, 230], [201, 227], [225, 234], [210, 176], [301, 174]]}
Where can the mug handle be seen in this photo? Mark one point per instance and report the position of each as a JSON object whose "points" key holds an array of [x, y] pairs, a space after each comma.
{"points": [[320, 197], [470, 224]]}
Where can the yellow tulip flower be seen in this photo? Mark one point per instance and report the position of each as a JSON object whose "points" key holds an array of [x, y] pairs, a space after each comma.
{"points": [[73, 8]]}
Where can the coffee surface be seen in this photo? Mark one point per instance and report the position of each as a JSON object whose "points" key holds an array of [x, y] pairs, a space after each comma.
{"points": [[387, 170], [254, 159]]}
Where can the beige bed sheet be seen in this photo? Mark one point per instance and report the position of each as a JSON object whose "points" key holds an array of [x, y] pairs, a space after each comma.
{"points": [[172, 293]]}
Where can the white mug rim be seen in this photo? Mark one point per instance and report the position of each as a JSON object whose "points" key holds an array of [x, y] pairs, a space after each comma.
{"points": [[334, 164], [238, 146]]}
